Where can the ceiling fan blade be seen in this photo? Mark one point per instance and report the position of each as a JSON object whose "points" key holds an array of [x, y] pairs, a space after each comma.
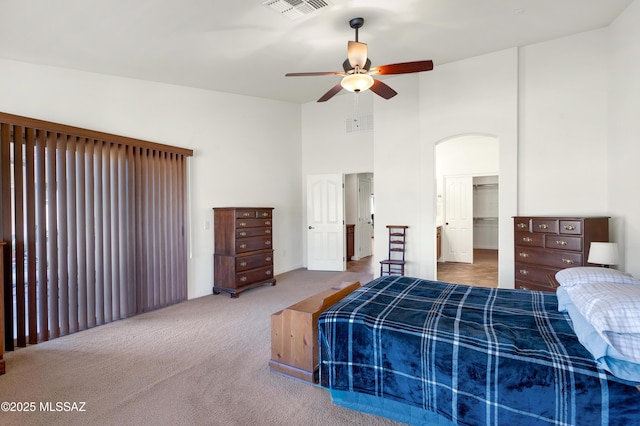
{"points": [[382, 89], [357, 54], [307, 74], [403, 68], [331, 93]]}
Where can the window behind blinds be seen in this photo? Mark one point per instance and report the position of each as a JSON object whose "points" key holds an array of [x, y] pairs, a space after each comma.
{"points": [[95, 225]]}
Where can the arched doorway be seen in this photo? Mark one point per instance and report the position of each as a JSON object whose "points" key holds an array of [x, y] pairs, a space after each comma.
{"points": [[467, 215]]}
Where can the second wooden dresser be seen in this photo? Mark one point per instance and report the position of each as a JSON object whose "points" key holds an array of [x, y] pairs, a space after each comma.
{"points": [[243, 248], [545, 245]]}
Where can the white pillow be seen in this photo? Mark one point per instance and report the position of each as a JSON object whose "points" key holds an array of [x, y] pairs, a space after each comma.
{"points": [[593, 274], [614, 311]]}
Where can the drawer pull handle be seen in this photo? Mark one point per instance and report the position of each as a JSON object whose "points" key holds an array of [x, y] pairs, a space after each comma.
{"points": [[524, 272], [267, 273], [243, 234], [523, 254], [267, 231], [569, 227], [243, 279], [246, 214], [265, 214], [527, 239], [242, 224], [567, 261], [268, 259], [561, 242], [543, 226], [267, 243], [522, 225], [267, 222], [243, 246], [243, 264]]}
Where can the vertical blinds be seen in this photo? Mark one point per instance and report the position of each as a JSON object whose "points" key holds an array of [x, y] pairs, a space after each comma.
{"points": [[95, 225]]}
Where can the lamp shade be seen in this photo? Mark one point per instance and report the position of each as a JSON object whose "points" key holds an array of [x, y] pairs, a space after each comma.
{"points": [[603, 253], [357, 82]]}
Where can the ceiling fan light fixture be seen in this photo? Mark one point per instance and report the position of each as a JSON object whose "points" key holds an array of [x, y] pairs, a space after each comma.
{"points": [[357, 82]]}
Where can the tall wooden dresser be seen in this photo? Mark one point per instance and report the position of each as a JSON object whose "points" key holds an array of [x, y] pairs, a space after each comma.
{"points": [[350, 235], [243, 248], [545, 245]]}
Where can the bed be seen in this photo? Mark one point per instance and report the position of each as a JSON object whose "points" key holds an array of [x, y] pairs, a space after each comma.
{"points": [[427, 352]]}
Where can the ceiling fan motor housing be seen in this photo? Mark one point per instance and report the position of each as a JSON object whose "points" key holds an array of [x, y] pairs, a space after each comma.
{"points": [[356, 23]]}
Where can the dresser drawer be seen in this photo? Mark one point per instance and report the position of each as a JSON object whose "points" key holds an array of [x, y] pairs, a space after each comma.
{"points": [[253, 213], [522, 224], [252, 232], [571, 227], [246, 213], [524, 285], [253, 276], [563, 242], [253, 243], [544, 257], [564, 259], [529, 255], [529, 239], [534, 273], [549, 226], [244, 263], [264, 213], [253, 223]]}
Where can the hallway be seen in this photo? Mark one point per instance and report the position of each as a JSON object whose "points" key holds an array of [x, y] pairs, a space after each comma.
{"points": [[483, 272]]}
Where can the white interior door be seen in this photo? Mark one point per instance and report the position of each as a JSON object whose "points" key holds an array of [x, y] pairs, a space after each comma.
{"points": [[458, 220], [325, 223], [365, 228]]}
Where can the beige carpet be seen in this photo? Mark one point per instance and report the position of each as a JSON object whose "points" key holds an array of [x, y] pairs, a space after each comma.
{"points": [[202, 362]]}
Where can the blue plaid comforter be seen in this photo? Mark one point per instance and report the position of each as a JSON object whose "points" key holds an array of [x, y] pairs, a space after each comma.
{"points": [[472, 355]]}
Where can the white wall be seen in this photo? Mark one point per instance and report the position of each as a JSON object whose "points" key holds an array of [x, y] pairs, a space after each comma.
{"points": [[246, 150], [467, 155], [326, 146], [397, 172], [563, 137], [623, 184]]}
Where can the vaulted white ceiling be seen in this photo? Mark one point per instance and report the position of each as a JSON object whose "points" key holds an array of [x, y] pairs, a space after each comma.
{"points": [[246, 47]]}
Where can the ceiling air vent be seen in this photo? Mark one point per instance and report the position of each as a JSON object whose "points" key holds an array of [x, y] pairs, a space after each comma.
{"points": [[294, 9], [363, 123]]}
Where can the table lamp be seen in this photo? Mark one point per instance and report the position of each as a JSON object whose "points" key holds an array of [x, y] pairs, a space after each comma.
{"points": [[604, 254]]}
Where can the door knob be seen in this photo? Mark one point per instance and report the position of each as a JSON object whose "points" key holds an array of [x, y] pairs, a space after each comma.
{"points": [[311, 227]]}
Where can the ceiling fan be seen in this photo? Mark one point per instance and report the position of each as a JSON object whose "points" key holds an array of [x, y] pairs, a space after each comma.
{"points": [[358, 72]]}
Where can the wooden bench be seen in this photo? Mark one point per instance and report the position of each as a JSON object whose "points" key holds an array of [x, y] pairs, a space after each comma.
{"points": [[294, 333]]}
